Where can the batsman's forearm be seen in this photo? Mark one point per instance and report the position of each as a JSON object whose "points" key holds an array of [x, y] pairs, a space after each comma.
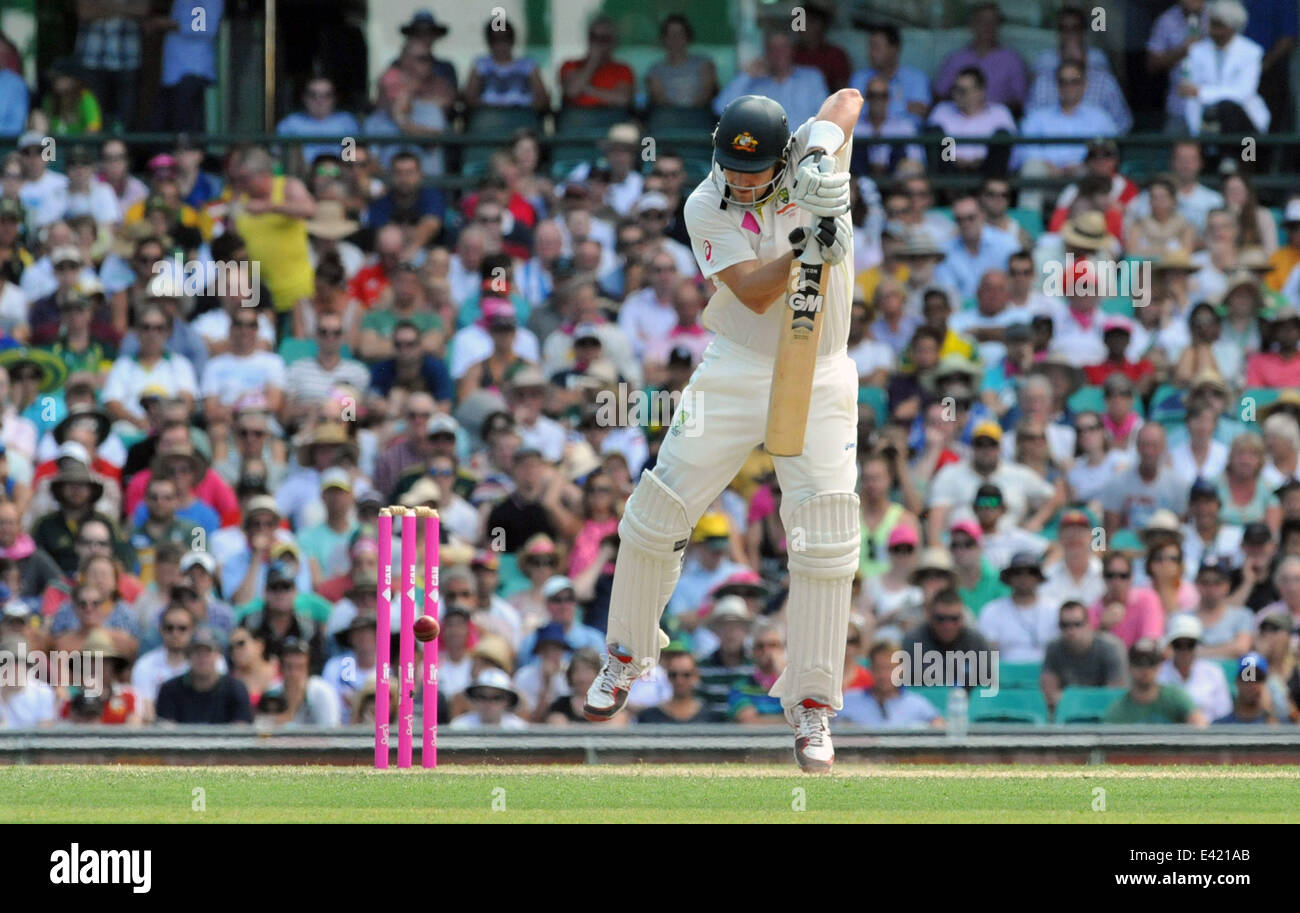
{"points": [[758, 286], [842, 109]]}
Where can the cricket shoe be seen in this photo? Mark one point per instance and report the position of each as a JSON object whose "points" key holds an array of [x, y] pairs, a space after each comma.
{"points": [[608, 693], [812, 736]]}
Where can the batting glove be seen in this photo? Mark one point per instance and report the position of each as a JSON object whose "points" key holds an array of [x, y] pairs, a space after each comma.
{"points": [[833, 236], [819, 190]]}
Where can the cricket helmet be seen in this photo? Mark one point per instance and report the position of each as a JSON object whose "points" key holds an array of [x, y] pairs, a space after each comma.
{"points": [[752, 135]]}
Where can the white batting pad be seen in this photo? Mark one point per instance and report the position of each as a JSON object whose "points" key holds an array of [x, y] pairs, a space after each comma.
{"points": [[652, 542], [823, 534]]}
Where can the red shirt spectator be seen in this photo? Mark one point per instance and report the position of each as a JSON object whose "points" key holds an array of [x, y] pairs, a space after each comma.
{"points": [[212, 490]]}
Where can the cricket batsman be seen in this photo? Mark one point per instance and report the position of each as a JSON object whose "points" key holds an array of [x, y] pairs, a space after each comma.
{"points": [[768, 196]]}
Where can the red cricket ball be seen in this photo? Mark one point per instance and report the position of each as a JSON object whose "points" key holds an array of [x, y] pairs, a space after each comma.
{"points": [[426, 628]]}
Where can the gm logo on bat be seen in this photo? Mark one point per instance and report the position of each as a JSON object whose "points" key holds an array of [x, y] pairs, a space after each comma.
{"points": [[805, 302]]}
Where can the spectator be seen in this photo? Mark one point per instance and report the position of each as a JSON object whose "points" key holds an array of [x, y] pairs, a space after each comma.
{"points": [[25, 701], [681, 79], [70, 106], [1081, 657], [1164, 571], [494, 700], [583, 669], [1103, 89], [270, 213], [308, 699], [945, 631], [887, 703], [1020, 626], [318, 118], [188, 64], [977, 250], [1147, 486], [422, 32], [417, 210], [597, 80], [14, 102], [1253, 702], [167, 661], [1125, 611], [1286, 579], [749, 702], [499, 79], [204, 694], [1205, 535], [1071, 116], [1195, 201], [309, 382], [1202, 680], [1226, 629], [909, 88], [1222, 78], [976, 573], [971, 114], [1172, 36], [776, 75], [1004, 70], [44, 194], [882, 159], [561, 608], [354, 663]]}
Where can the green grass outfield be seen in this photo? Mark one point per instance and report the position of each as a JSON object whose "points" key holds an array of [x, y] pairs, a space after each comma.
{"points": [[660, 793]]}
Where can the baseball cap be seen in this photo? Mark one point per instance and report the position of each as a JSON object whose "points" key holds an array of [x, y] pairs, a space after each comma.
{"points": [[1101, 147], [66, 253], [585, 331], [1202, 488], [651, 200], [498, 312], [1256, 534], [552, 633], [989, 430], [969, 527], [73, 450], [1018, 332], [1076, 516], [441, 424], [279, 572], [1253, 663], [1184, 626], [711, 526], [204, 638], [1219, 564], [485, 558], [202, 559], [260, 502], [11, 209], [335, 477], [680, 355], [1145, 651], [903, 534], [556, 585], [990, 495], [31, 138]]}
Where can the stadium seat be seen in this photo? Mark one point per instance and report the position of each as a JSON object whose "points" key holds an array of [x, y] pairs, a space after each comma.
{"points": [[878, 400], [1085, 705], [292, 349], [497, 120], [1019, 675], [1031, 220], [590, 120], [937, 695], [1259, 397], [1087, 399], [1021, 705], [1167, 406], [665, 120], [1119, 306], [1229, 672]]}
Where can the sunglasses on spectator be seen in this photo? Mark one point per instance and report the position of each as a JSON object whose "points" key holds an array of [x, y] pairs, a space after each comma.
{"points": [[884, 95], [95, 543], [1184, 644], [681, 674], [1117, 575], [902, 549], [241, 642], [947, 619], [666, 173], [245, 324], [252, 432], [279, 587], [1091, 426], [153, 328], [89, 603], [1026, 271], [328, 334], [459, 594], [962, 544], [175, 629], [442, 473], [1069, 625], [988, 503], [769, 645]]}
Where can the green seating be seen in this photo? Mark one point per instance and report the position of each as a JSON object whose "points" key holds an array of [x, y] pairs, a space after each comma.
{"points": [[292, 349], [1167, 405], [1031, 220], [589, 119], [1020, 705], [878, 400], [1229, 667], [1019, 675], [663, 120], [1257, 398], [937, 695], [1119, 306], [1087, 399], [495, 125], [1085, 705]]}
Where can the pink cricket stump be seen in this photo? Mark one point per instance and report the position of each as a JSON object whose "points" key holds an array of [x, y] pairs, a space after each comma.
{"points": [[383, 637], [406, 645], [429, 752]]}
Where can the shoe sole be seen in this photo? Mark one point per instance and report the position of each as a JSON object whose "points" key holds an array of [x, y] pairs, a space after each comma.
{"points": [[815, 767], [595, 715]]}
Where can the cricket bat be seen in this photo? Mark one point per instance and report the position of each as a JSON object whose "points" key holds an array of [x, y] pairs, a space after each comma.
{"points": [[796, 354]]}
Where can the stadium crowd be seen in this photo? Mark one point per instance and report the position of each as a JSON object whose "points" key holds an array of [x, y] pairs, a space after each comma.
{"points": [[1103, 488]]}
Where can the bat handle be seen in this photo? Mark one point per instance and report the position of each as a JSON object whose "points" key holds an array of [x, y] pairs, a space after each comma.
{"points": [[812, 251]]}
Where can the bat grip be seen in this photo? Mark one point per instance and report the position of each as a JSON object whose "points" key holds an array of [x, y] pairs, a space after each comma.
{"points": [[812, 251]]}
